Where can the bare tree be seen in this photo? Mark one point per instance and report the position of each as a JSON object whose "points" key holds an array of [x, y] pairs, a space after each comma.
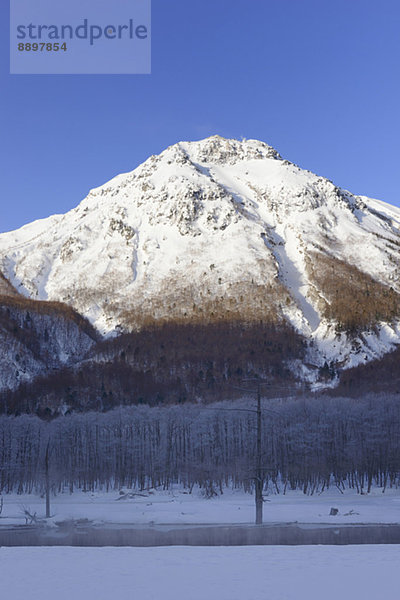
{"points": [[47, 479]]}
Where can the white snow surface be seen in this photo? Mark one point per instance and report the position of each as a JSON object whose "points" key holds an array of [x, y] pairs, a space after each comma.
{"points": [[364, 572], [204, 216], [177, 506]]}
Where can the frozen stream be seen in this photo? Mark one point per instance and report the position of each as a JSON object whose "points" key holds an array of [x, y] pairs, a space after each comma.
{"points": [[85, 534]]}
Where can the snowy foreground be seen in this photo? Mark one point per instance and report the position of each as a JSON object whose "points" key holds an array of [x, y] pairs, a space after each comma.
{"points": [[369, 572], [220, 573], [177, 506]]}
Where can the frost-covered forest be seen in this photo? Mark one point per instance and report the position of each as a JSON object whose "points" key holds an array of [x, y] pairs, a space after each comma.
{"points": [[307, 444]]}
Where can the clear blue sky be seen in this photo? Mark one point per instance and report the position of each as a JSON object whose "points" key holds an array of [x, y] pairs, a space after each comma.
{"points": [[317, 79]]}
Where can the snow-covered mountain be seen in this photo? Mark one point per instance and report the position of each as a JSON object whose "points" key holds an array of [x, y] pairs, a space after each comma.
{"points": [[221, 230]]}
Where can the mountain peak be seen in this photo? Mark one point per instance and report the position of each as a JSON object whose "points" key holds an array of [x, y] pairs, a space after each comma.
{"points": [[220, 150]]}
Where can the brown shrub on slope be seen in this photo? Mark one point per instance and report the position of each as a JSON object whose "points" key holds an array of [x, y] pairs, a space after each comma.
{"points": [[354, 299], [41, 307], [6, 289], [227, 303]]}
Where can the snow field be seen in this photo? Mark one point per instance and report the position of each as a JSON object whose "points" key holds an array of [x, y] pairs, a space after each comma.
{"points": [[201, 573], [177, 506]]}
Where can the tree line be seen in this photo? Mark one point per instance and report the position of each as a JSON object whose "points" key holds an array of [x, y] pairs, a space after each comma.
{"points": [[172, 363], [307, 444]]}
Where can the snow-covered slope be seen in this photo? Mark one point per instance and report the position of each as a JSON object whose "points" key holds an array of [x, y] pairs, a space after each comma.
{"points": [[39, 337], [221, 229]]}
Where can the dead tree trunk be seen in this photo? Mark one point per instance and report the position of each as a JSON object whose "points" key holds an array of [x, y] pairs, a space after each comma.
{"points": [[47, 480], [259, 482]]}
